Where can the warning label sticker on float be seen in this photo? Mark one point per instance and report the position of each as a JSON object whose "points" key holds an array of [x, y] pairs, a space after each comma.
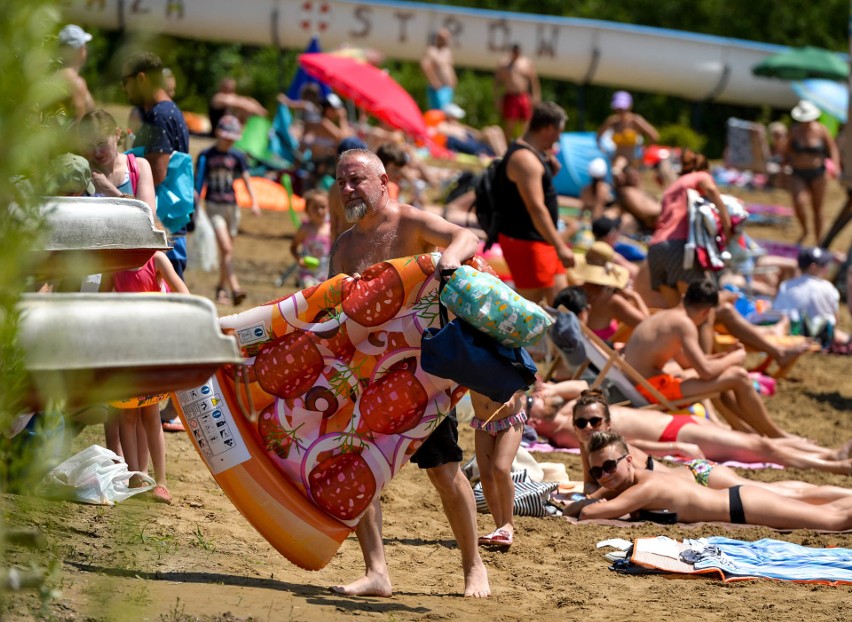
{"points": [[212, 426], [252, 334]]}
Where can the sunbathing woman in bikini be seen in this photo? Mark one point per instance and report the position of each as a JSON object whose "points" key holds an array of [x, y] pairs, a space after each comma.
{"points": [[659, 434], [634, 489]]}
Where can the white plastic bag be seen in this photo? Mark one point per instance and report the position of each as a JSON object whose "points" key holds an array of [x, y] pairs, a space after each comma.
{"points": [[202, 250], [95, 475]]}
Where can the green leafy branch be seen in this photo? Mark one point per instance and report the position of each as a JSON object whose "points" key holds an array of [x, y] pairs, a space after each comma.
{"points": [[276, 438], [428, 307]]}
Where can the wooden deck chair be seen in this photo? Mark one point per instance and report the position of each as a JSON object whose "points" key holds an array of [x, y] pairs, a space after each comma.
{"points": [[723, 342], [621, 374], [615, 369]]}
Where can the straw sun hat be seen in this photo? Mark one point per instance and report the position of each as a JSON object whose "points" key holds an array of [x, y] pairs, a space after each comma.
{"points": [[597, 267]]}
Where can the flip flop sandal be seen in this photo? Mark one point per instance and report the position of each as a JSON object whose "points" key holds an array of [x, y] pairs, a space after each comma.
{"points": [[161, 494], [486, 539], [136, 482], [501, 538], [222, 296], [173, 425]]}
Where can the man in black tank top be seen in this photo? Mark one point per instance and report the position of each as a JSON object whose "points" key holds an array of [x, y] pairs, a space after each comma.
{"points": [[526, 200]]}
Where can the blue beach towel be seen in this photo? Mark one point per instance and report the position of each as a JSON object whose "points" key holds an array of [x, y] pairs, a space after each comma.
{"points": [[776, 559]]}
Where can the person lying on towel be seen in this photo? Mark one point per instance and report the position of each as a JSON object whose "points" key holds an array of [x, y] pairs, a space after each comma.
{"points": [[637, 489]]}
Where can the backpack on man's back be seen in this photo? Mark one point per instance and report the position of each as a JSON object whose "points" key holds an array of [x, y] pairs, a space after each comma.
{"points": [[486, 206]]}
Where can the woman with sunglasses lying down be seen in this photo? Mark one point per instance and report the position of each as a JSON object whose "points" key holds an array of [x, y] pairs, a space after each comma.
{"points": [[660, 434], [591, 415], [631, 489]]}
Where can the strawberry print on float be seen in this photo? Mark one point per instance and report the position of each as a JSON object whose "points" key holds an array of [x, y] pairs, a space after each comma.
{"points": [[335, 392]]}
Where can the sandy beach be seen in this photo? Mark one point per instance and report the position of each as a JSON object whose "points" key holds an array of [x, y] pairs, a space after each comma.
{"points": [[199, 559]]}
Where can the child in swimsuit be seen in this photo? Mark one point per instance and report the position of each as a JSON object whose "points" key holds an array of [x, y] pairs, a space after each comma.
{"points": [[143, 413], [498, 431], [311, 245]]}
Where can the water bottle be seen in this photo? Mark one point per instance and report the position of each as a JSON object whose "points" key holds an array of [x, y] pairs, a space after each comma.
{"points": [[795, 322], [828, 334]]}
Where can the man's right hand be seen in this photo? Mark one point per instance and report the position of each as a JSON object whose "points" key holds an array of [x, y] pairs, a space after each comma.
{"points": [[566, 256]]}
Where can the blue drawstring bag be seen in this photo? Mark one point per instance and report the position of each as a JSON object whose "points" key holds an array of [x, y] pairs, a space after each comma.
{"points": [[461, 353]]}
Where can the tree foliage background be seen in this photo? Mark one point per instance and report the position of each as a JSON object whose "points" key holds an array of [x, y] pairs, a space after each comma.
{"points": [[263, 71]]}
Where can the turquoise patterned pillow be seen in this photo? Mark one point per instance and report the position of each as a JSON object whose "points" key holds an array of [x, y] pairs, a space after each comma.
{"points": [[491, 306]]}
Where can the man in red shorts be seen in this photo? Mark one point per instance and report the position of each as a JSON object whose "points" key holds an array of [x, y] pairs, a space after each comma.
{"points": [[525, 200], [516, 89]]}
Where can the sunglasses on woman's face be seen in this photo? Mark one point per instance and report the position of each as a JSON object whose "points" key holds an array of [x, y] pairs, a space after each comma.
{"points": [[581, 422], [609, 466]]}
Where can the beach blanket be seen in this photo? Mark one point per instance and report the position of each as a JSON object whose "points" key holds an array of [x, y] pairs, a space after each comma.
{"points": [[737, 560], [768, 215], [544, 447]]}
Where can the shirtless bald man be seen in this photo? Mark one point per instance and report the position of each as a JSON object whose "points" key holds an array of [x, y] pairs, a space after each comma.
{"points": [[386, 229], [516, 90], [437, 64]]}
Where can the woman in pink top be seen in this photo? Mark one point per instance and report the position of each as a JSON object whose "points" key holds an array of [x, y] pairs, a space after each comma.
{"points": [[666, 251], [139, 425]]}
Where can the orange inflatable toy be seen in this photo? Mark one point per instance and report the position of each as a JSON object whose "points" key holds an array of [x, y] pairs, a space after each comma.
{"points": [[270, 195], [434, 117], [330, 403]]}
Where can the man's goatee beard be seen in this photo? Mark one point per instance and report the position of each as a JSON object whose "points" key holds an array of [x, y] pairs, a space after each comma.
{"points": [[356, 212]]}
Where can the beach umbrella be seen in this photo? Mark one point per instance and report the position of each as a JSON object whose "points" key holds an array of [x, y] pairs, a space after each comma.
{"points": [[829, 96], [802, 64], [302, 78], [370, 88]]}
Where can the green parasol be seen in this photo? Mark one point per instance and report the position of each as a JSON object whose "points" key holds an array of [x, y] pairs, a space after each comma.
{"points": [[802, 64]]}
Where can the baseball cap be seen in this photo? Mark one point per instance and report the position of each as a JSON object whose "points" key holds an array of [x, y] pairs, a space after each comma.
{"points": [[332, 100], [622, 100], [69, 174], [229, 128], [74, 36], [813, 255], [604, 225]]}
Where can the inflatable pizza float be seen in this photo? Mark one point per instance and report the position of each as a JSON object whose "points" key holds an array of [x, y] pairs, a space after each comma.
{"points": [[330, 403]]}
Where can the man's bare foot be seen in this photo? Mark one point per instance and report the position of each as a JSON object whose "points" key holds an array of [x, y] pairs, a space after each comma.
{"points": [[845, 451], [791, 353], [476, 582], [372, 584]]}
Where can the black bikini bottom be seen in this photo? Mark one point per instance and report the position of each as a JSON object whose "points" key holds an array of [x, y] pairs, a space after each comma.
{"points": [[736, 503], [808, 175]]}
